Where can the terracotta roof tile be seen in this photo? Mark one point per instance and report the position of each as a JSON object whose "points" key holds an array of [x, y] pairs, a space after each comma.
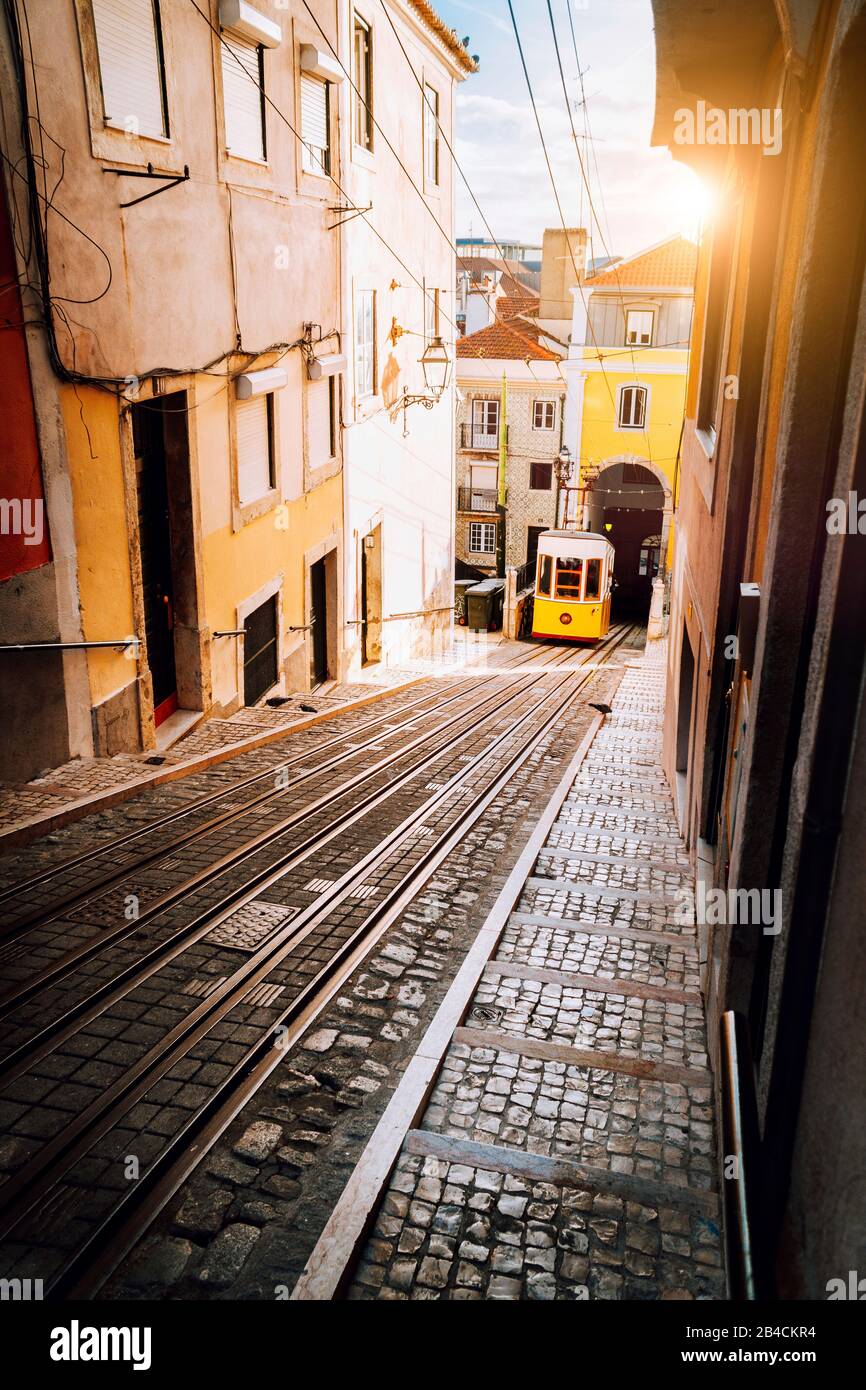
{"points": [[516, 341], [672, 263], [446, 36], [512, 305]]}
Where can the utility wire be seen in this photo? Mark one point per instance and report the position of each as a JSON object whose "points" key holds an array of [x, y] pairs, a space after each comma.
{"points": [[589, 192], [556, 194]]}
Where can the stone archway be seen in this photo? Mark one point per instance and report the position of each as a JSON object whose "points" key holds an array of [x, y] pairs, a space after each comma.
{"points": [[628, 498]]}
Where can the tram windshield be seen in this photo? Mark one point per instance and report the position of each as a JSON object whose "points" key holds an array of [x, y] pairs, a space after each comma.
{"points": [[568, 577], [593, 579]]}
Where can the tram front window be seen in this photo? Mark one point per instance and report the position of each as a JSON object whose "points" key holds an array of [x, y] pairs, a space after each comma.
{"points": [[545, 574], [568, 575], [593, 579]]}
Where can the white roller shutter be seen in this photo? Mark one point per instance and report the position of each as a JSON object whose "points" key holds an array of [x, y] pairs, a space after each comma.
{"points": [[254, 449], [130, 65], [314, 124], [242, 97]]}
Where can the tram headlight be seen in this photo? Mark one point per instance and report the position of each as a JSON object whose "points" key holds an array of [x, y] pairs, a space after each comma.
{"points": [[565, 619]]}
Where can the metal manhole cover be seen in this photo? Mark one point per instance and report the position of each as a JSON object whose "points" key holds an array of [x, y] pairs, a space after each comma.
{"points": [[486, 1013]]}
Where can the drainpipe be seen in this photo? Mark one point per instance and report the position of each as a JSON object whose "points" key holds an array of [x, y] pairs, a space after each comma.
{"points": [[503, 456]]}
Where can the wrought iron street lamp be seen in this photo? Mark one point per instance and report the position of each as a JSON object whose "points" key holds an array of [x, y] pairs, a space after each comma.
{"points": [[436, 366]]}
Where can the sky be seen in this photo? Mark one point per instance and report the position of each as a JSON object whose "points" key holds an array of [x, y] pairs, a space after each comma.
{"points": [[644, 195]]}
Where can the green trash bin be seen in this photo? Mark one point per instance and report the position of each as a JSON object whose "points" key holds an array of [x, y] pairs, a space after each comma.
{"points": [[461, 587], [484, 605]]}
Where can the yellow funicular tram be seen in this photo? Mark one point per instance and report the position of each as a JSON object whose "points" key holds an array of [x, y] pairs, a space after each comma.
{"points": [[573, 585]]}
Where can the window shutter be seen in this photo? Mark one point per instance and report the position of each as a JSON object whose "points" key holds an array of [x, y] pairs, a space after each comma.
{"points": [[129, 65], [254, 449], [314, 124], [242, 97]]}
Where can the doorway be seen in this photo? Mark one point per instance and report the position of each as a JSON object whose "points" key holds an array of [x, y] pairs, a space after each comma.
{"points": [[684, 722], [371, 597], [319, 620], [261, 666], [532, 542], [169, 555], [155, 545]]}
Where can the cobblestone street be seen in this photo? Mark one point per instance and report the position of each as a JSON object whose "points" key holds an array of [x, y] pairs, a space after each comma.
{"points": [[567, 1149]]}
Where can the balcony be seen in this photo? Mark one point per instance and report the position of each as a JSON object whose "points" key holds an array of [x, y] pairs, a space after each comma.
{"points": [[472, 437], [476, 499]]}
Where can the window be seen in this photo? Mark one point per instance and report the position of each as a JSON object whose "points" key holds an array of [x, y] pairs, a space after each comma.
{"points": [[712, 363], [243, 96], [541, 477], [254, 421], [639, 327], [568, 576], [365, 344], [315, 125], [632, 407], [363, 80], [333, 409], [543, 415], [545, 574], [593, 579], [431, 313], [485, 425], [482, 538], [260, 651], [131, 70], [484, 476], [431, 134], [650, 550]]}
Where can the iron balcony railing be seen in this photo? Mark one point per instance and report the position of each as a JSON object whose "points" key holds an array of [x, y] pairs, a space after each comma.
{"points": [[477, 499], [471, 437]]}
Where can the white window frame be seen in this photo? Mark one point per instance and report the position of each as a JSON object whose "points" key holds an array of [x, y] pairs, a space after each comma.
{"points": [[639, 314], [103, 23], [484, 530], [430, 134], [484, 407], [366, 345], [266, 493], [544, 409], [362, 80], [431, 312], [621, 397], [316, 159], [229, 62]]}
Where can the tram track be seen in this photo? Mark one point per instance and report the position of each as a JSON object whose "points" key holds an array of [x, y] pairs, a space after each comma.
{"points": [[99, 940], [51, 1171], [119, 845]]}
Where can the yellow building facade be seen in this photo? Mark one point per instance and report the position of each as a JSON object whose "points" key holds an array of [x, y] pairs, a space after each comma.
{"points": [[626, 373]]}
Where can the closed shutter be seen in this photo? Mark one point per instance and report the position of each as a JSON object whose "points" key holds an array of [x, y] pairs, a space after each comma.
{"points": [[314, 125], [254, 449], [242, 97], [130, 65]]}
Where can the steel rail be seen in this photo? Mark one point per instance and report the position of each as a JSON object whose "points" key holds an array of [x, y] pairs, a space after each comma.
{"points": [[16, 930], [27, 1187], [36, 1046], [121, 841]]}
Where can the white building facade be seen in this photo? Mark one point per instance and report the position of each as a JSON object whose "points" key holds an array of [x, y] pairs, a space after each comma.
{"points": [[398, 294]]}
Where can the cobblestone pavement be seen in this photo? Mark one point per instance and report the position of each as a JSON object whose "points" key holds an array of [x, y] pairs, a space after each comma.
{"points": [[567, 1149], [247, 1218], [245, 1222]]}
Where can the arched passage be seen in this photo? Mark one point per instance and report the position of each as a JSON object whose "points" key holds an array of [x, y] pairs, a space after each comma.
{"points": [[629, 501]]}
